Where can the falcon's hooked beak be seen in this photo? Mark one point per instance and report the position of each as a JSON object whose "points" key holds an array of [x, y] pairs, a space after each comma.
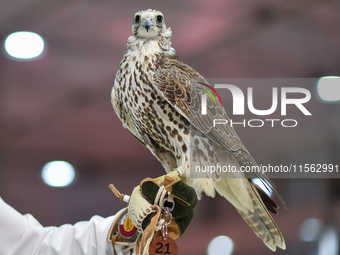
{"points": [[148, 23]]}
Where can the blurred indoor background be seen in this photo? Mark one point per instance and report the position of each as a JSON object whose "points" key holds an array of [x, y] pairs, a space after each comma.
{"points": [[57, 107]]}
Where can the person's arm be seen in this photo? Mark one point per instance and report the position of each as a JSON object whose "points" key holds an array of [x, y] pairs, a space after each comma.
{"points": [[23, 234]]}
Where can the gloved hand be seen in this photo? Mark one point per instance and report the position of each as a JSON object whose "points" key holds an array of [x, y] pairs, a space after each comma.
{"points": [[144, 197], [145, 210]]}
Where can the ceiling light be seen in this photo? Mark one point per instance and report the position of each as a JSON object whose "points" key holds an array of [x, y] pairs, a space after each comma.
{"points": [[329, 242], [58, 173], [24, 45], [329, 88], [221, 245], [310, 229]]}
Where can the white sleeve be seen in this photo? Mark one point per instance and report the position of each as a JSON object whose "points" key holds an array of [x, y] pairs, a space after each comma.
{"points": [[23, 234]]}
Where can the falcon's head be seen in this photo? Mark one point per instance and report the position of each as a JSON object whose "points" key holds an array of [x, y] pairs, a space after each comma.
{"points": [[148, 24]]}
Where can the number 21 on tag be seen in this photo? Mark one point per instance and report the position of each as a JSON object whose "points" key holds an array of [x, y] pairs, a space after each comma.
{"points": [[160, 246]]}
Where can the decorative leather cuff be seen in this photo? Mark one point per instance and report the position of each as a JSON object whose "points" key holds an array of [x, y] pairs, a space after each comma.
{"points": [[122, 230]]}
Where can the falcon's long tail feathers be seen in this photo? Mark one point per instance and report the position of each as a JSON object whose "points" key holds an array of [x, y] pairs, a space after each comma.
{"points": [[248, 202], [262, 223]]}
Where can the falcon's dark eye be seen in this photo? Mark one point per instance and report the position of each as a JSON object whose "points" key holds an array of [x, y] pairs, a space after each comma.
{"points": [[159, 18], [137, 18]]}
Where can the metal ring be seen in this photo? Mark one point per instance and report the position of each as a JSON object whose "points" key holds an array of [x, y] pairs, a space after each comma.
{"points": [[170, 208], [170, 219], [164, 231]]}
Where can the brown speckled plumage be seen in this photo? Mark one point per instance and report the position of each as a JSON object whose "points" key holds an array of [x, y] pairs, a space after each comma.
{"points": [[156, 97]]}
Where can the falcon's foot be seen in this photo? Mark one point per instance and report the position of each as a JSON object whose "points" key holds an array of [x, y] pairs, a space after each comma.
{"points": [[176, 173]]}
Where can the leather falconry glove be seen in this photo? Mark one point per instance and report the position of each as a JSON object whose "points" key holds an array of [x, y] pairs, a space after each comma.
{"points": [[156, 206]]}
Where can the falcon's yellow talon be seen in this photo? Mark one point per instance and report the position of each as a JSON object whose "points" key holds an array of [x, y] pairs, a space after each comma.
{"points": [[160, 179], [174, 174]]}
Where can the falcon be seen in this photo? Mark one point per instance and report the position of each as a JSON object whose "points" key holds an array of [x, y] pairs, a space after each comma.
{"points": [[157, 97]]}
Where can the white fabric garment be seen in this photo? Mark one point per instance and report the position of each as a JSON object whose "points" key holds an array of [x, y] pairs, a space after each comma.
{"points": [[24, 235]]}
